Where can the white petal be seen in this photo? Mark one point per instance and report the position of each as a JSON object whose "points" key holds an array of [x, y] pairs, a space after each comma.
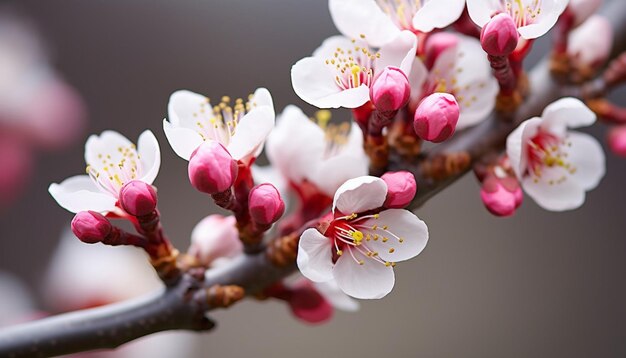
{"points": [[354, 18], [419, 74], [475, 81], [150, 154], [269, 174], [333, 294], [262, 97], [295, 147], [400, 52], [106, 142], [565, 195], [79, 193], [182, 106], [251, 132], [334, 171], [587, 157], [368, 281], [437, 14], [517, 144], [360, 194], [182, 140], [315, 256], [314, 82], [401, 224], [480, 11], [543, 22], [566, 113]]}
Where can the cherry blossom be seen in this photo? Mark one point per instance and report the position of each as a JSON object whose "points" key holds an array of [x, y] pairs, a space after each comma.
{"points": [[341, 70], [241, 128], [557, 166], [361, 244], [322, 154], [381, 20], [112, 160], [215, 240], [533, 18], [463, 71]]}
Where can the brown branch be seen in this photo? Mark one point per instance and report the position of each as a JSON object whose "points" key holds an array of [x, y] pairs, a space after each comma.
{"points": [[183, 305]]}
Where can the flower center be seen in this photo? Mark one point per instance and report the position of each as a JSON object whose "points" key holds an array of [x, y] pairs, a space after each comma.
{"points": [[336, 135], [220, 122], [353, 66], [545, 150], [353, 233], [401, 12], [445, 78], [114, 169], [523, 14]]}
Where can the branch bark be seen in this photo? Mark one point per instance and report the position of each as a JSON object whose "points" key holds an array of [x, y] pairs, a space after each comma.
{"points": [[176, 308]]}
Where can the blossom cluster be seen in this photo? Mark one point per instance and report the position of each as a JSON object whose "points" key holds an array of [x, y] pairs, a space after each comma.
{"points": [[406, 82]]}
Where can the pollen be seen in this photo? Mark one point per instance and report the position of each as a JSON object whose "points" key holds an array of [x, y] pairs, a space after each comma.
{"points": [[357, 236]]}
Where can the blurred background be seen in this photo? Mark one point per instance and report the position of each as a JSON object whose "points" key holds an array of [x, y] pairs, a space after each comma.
{"points": [[539, 284]]}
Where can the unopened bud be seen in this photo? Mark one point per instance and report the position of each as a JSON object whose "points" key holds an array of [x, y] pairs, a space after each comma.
{"points": [[390, 90], [501, 196], [215, 237], [436, 44], [583, 9], [617, 140], [211, 168], [436, 117], [265, 204], [589, 45], [499, 36], [138, 198], [309, 305], [91, 227], [401, 189]]}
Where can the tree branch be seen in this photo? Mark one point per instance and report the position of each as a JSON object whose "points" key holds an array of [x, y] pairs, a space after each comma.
{"points": [[183, 305]]}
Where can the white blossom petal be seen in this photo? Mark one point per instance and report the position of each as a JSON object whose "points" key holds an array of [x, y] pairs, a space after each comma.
{"points": [[182, 106], [590, 43], [587, 156], [480, 11], [251, 132], [517, 142], [333, 294], [79, 193], [437, 14], [315, 256], [296, 145], [184, 141], [215, 237], [106, 142], [354, 18], [150, 156], [566, 113], [561, 196], [371, 280], [406, 235], [262, 97], [360, 194], [417, 77], [400, 52], [314, 82], [334, 171]]}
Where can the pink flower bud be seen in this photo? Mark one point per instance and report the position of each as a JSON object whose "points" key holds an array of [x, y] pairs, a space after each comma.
{"points": [[501, 196], [138, 198], [91, 227], [390, 90], [617, 140], [436, 44], [436, 117], [401, 189], [211, 168], [309, 305], [265, 204], [499, 36]]}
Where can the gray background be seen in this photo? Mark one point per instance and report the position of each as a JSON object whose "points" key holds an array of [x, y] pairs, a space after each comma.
{"points": [[540, 284]]}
